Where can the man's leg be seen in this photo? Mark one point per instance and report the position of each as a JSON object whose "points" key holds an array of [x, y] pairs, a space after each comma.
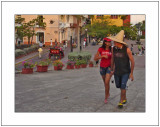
{"points": [[123, 95]]}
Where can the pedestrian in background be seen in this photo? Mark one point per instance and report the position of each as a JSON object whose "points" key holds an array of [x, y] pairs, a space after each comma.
{"points": [[104, 53], [40, 44], [51, 42], [64, 44], [139, 49], [84, 44], [132, 49], [121, 59], [55, 42], [40, 50], [143, 49]]}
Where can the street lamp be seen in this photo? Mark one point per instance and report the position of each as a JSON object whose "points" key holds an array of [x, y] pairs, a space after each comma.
{"points": [[138, 36], [86, 37], [80, 39]]}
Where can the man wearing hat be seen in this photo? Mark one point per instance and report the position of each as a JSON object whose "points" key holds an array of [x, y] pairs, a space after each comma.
{"points": [[120, 65]]}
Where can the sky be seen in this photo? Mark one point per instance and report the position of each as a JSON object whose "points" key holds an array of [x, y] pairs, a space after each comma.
{"points": [[137, 18]]}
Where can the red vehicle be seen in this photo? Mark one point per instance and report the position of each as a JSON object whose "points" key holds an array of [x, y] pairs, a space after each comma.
{"points": [[56, 52]]}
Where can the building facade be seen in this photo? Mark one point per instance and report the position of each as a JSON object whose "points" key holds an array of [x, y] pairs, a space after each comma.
{"points": [[58, 28], [113, 19]]}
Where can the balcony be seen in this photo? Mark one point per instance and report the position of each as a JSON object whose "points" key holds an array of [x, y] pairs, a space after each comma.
{"points": [[67, 25], [73, 25]]}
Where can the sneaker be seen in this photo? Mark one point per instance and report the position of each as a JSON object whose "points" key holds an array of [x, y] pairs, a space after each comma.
{"points": [[105, 101], [120, 105], [124, 102]]}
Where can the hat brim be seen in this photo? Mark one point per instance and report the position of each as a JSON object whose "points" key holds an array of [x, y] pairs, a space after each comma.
{"points": [[119, 41]]}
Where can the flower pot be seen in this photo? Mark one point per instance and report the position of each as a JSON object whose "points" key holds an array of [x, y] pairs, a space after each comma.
{"points": [[58, 68], [90, 65], [42, 68], [70, 66], [27, 70], [77, 66], [83, 65]]}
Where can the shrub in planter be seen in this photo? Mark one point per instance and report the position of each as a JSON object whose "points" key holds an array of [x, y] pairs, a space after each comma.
{"points": [[19, 52], [35, 46], [70, 64], [28, 67], [82, 55], [42, 66], [83, 63], [58, 65], [90, 63], [77, 64]]}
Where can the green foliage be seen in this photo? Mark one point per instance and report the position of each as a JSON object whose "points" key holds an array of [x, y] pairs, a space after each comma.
{"points": [[58, 63], [103, 28], [142, 37], [83, 61], [28, 64], [78, 62], [19, 52], [82, 55], [43, 62], [28, 29], [99, 28]]}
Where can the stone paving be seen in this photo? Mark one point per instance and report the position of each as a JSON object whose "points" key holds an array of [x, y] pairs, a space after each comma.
{"points": [[78, 90]]}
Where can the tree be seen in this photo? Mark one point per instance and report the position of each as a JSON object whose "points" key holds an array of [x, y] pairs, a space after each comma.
{"points": [[99, 28], [19, 28], [28, 29]]}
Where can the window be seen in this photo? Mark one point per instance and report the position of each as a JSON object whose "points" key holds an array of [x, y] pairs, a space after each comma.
{"points": [[114, 16], [51, 21]]}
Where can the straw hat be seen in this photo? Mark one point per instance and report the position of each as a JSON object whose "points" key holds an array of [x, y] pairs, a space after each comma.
{"points": [[118, 37]]}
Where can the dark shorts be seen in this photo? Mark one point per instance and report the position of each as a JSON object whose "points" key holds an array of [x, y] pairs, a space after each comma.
{"points": [[104, 70], [121, 81]]}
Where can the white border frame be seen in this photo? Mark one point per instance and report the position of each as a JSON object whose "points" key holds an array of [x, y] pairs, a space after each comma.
{"points": [[150, 117]]}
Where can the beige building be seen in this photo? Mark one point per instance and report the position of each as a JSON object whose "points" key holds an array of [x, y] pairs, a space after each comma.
{"points": [[58, 28]]}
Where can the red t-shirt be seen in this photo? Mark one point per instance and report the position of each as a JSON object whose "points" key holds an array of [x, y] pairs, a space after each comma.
{"points": [[105, 62]]}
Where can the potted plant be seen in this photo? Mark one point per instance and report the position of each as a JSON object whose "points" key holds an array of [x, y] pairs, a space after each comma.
{"points": [[42, 66], [58, 65], [83, 63], [90, 63], [28, 67], [70, 64], [77, 64]]}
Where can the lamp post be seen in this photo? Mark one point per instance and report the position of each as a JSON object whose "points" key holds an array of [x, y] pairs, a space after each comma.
{"points": [[138, 36], [80, 39], [71, 44], [86, 37]]}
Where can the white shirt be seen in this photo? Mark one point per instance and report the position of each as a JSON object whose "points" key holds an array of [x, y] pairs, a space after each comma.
{"points": [[51, 42]]}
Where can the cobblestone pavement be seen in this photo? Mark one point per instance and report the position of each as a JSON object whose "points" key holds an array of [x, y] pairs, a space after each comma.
{"points": [[78, 90]]}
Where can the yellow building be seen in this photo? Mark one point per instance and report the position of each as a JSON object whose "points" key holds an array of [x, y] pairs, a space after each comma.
{"points": [[113, 19]]}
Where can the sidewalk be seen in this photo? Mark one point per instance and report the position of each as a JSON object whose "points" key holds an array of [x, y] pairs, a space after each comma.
{"points": [[78, 90], [27, 57]]}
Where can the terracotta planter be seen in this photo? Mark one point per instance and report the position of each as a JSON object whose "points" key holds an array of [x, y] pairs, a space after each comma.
{"points": [[77, 66], [42, 68], [58, 68], [83, 65], [70, 66], [90, 65], [27, 70]]}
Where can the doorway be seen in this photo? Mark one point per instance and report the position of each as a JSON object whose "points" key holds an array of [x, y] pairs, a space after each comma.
{"points": [[40, 37]]}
